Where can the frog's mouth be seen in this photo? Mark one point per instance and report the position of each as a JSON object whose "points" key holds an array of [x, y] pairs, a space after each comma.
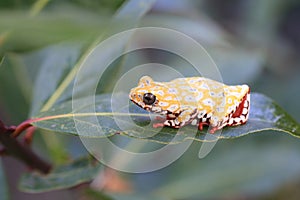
{"points": [[151, 108]]}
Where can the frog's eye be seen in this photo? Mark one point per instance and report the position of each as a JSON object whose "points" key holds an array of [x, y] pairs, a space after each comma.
{"points": [[149, 98]]}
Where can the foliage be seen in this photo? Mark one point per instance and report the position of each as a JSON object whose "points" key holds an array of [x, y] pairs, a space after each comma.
{"points": [[42, 47]]}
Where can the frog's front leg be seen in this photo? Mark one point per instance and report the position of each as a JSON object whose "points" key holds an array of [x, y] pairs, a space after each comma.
{"points": [[216, 123], [178, 120], [169, 122]]}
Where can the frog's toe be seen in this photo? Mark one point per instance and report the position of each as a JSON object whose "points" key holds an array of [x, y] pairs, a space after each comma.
{"points": [[158, 125], [214, 129]]}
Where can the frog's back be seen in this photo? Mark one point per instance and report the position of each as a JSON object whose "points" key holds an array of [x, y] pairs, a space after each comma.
{"points": [[197, 91], [194, 82]]}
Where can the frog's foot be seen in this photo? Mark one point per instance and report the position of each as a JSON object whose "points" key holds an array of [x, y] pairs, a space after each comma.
{"points": [[169, 123], [158, 125], [200, 125], [213, 130]]}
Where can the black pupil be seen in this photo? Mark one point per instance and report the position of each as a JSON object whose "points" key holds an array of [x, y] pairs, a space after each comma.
{"points": [[149, 98]]}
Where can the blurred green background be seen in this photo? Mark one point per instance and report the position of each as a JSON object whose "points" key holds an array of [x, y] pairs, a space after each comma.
{"points": [[252, 41]]}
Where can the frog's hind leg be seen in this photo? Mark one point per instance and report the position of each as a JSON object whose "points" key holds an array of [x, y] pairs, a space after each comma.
{"points": [[241, 114], [238, 116]]}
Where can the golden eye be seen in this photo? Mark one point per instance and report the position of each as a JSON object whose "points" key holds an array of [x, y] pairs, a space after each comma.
{"points": [[149, 98]]}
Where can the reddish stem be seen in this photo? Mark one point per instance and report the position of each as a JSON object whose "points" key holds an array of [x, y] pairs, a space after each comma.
{"points": [[3, 151], [29, 135], [14, 148], [22, 127]]}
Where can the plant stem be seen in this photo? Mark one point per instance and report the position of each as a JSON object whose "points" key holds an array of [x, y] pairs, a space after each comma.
{"points": [[21, 151]]}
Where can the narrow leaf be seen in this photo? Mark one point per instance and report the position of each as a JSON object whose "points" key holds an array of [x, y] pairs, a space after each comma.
{"points": [[264, 115], [54, 62], [22, 32], [129, 15], [141, 7], [134, 9], [77, 172]]}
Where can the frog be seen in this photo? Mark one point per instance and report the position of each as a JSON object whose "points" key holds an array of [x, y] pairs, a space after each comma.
{"points": [[197, 101]]}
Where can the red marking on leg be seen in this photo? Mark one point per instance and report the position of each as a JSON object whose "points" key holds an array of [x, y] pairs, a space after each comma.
{"points": [[200, 125], [157, 125], [239, 110]]}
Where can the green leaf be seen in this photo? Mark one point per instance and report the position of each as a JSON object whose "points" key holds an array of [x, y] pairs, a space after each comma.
{"points": [[38, 6], [252, 166], [66, 176], [132, 10], [14, 99], [264, 115], [200, 28], [129, 15], [45, 67], [53, 61], [3, 189], [57, 68], [23, 32], [245, 63], [95, 195], [121, 196]]}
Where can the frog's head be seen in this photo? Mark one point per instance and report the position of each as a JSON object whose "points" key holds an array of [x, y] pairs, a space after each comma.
{"points": [[154, 96]]}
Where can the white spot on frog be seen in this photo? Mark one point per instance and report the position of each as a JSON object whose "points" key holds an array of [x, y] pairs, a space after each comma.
{"points": [[192, 81], [160, 92], [143, 91], [185, 87], [178, 98], [246, 104], [208, 102], [173, 108], [199, 96], [162, 103], [242, 117], [236, 102], [204, 86], [220, 109], [212, 94], [172, 91], [194, 122], [192, 89], [168, 98], [190, 98]]}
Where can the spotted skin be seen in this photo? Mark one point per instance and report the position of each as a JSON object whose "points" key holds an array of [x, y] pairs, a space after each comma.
{"points": [[194, 100]]}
